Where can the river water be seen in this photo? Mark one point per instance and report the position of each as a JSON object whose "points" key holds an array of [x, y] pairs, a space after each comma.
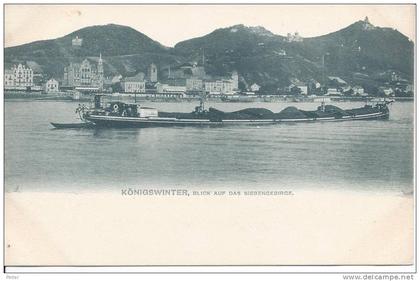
{"points": [[359, 155]]}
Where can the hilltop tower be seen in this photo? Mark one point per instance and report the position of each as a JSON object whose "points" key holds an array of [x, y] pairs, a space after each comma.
{"points": [[367, 25]]}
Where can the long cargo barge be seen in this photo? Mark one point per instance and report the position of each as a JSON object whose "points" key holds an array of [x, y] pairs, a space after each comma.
{"points": [[119, 114]]}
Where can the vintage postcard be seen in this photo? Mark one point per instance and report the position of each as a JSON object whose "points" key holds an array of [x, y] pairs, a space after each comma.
{"points": [[209, 135]]}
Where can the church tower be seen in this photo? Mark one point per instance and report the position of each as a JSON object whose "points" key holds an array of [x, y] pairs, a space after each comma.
{"points": [[152, 73], [100, 71]]}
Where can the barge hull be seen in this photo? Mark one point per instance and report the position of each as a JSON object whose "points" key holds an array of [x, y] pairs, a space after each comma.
{"points": [[120, 122]]}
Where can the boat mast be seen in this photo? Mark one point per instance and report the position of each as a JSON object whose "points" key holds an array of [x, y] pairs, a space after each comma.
{"points": [[203, 92], [202, 97]]}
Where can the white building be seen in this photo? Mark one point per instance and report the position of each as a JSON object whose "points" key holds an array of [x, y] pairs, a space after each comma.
{"points": [[77, 42], [85, 74], [18, 77], [165, 88], [219, 86], [235, 80], [52, 86], [333, 92], [303, 89], [24, 76], [358, 90], [9, 79], [134, 84], [255, 87], [194, 84]]}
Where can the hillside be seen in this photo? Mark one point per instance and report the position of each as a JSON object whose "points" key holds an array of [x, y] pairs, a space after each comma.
{"points": [[116, 43], [257, 54], [363, 47], [253, 51]]}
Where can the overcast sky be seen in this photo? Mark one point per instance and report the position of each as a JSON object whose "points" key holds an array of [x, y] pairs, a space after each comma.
{"points": [[170, 24]]}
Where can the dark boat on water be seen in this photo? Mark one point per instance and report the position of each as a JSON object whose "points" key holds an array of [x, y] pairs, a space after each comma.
{"points": [[119, 114], [81, 125]]}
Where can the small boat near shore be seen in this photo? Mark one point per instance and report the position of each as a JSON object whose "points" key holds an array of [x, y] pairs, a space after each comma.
{"points": [[119, 114], [81, 125]]}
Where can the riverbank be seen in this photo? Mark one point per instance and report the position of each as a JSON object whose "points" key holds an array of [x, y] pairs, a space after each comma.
{"points": [[37, 96], [235, 99], [308, 227]]}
